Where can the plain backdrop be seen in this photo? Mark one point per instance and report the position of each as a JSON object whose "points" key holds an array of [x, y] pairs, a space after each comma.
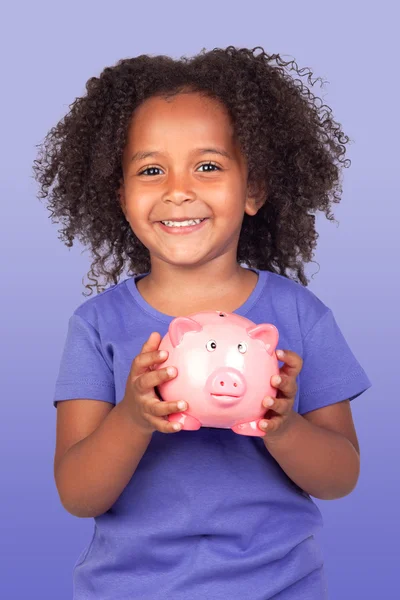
{"points": [[48, 51]]}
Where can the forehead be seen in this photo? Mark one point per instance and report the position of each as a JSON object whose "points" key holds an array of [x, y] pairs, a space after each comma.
{"points": [[188, 115]]}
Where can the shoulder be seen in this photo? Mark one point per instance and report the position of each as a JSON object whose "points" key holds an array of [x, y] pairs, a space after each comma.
{"points": [[105, 307], [292, 298]]}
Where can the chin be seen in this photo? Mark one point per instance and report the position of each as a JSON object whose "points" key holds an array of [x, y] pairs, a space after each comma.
{"points": [[185, 260], [186, 263]]}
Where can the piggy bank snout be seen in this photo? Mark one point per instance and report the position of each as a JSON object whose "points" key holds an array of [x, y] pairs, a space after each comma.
{"points": [[227, 382]]}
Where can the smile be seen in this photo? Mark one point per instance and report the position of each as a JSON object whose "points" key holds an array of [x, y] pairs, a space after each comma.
{"points": [[181, 227], [182, 223]]}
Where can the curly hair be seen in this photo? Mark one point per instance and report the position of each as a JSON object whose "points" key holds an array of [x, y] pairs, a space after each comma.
{"points": [[294, 152]]}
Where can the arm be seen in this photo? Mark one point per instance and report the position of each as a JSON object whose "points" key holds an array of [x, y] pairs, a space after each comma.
{"points": [[98, 449], [319, 451], [99, 446]]}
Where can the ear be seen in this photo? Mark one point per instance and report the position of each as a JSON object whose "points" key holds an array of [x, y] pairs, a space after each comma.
{"points": [[251, 208], [181, 325], [255, 200], [266, 333]]}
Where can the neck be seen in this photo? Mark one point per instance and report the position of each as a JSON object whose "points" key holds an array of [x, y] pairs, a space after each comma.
{"points": [[201, 281]]}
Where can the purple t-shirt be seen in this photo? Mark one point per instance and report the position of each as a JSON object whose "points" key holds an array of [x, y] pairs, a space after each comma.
{"points": [[208, 514]]}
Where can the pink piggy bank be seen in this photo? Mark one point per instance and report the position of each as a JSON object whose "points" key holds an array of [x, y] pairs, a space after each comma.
{"points": [[225, 363]]}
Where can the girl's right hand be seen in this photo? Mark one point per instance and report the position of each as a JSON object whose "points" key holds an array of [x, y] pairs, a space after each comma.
{"points": [[146, 409]]}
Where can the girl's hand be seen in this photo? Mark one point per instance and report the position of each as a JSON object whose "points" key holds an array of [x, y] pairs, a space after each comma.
{"points": [[146, 409], [280, 414]]}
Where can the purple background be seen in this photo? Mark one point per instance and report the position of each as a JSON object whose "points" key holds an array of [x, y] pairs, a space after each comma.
{"points": [[48, 52]]}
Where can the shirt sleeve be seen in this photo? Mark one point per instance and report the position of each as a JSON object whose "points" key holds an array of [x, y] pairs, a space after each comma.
{"points": [[330, 372], [84, 370]]}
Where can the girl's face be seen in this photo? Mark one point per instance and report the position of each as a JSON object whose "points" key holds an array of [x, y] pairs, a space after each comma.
{"points": [[176, 182]]}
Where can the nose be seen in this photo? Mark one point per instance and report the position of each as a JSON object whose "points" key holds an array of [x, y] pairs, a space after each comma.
{"points": [[178, 191], [227, 382]]}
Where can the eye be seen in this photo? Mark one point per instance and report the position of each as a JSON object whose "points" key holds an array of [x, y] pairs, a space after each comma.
{"points": [[149, 169], [242, 347], [158, 169], [208, 165], [211, 345]]}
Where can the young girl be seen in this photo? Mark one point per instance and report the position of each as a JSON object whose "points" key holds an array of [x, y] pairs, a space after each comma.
{"points": [[203, 177]]}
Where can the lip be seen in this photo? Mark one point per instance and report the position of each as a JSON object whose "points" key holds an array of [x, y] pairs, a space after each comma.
{"points": [[181, 230], [180, 219]]}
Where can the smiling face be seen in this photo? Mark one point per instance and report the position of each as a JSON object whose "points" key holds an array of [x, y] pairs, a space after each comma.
{"points": [[176, 181]]}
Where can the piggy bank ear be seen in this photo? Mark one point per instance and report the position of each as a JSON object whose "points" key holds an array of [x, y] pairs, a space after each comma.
{"points": [[267, 333], [179, 326]]}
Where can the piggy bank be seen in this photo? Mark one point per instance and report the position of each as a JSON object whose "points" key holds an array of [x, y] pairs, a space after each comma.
{"points": [[225, 363]]}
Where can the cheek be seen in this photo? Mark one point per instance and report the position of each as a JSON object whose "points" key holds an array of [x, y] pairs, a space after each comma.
{"points": [[138, 211], [232, 207], [140, 225], [140, 198]]}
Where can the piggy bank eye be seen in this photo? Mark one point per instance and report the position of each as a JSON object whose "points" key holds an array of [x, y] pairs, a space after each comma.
{"points": [[211, 345], [242, 347]]}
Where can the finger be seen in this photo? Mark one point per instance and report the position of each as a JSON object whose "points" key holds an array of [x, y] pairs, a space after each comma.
{"points": [[281, 406], [152, 342], [292, 362], [163, 425], [162, 409], [149, 380], [146, 360], [271, 424], [286, 384]]}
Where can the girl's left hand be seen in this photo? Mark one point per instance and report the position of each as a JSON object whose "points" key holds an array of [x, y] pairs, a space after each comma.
{"points": [[279, 417]]}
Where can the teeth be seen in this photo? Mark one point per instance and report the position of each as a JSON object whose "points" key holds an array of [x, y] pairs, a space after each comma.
{"points": [[182, 223]]}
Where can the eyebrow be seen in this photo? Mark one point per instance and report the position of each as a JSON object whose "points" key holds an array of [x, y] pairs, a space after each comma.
{"points": [[142, 154]]}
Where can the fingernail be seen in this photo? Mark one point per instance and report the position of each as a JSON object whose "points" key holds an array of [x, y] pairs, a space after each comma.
{"points": [[280, 353], [277, 379], [163, 354], [176, 426], [263, 424], [171, 371], [182, 405], [268, 401]]}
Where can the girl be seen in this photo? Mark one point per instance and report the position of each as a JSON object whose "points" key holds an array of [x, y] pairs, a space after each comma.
{"points": [[203, 177]]}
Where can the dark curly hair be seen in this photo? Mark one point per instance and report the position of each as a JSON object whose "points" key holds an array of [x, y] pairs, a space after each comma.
{"points": [[294, 150]]}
